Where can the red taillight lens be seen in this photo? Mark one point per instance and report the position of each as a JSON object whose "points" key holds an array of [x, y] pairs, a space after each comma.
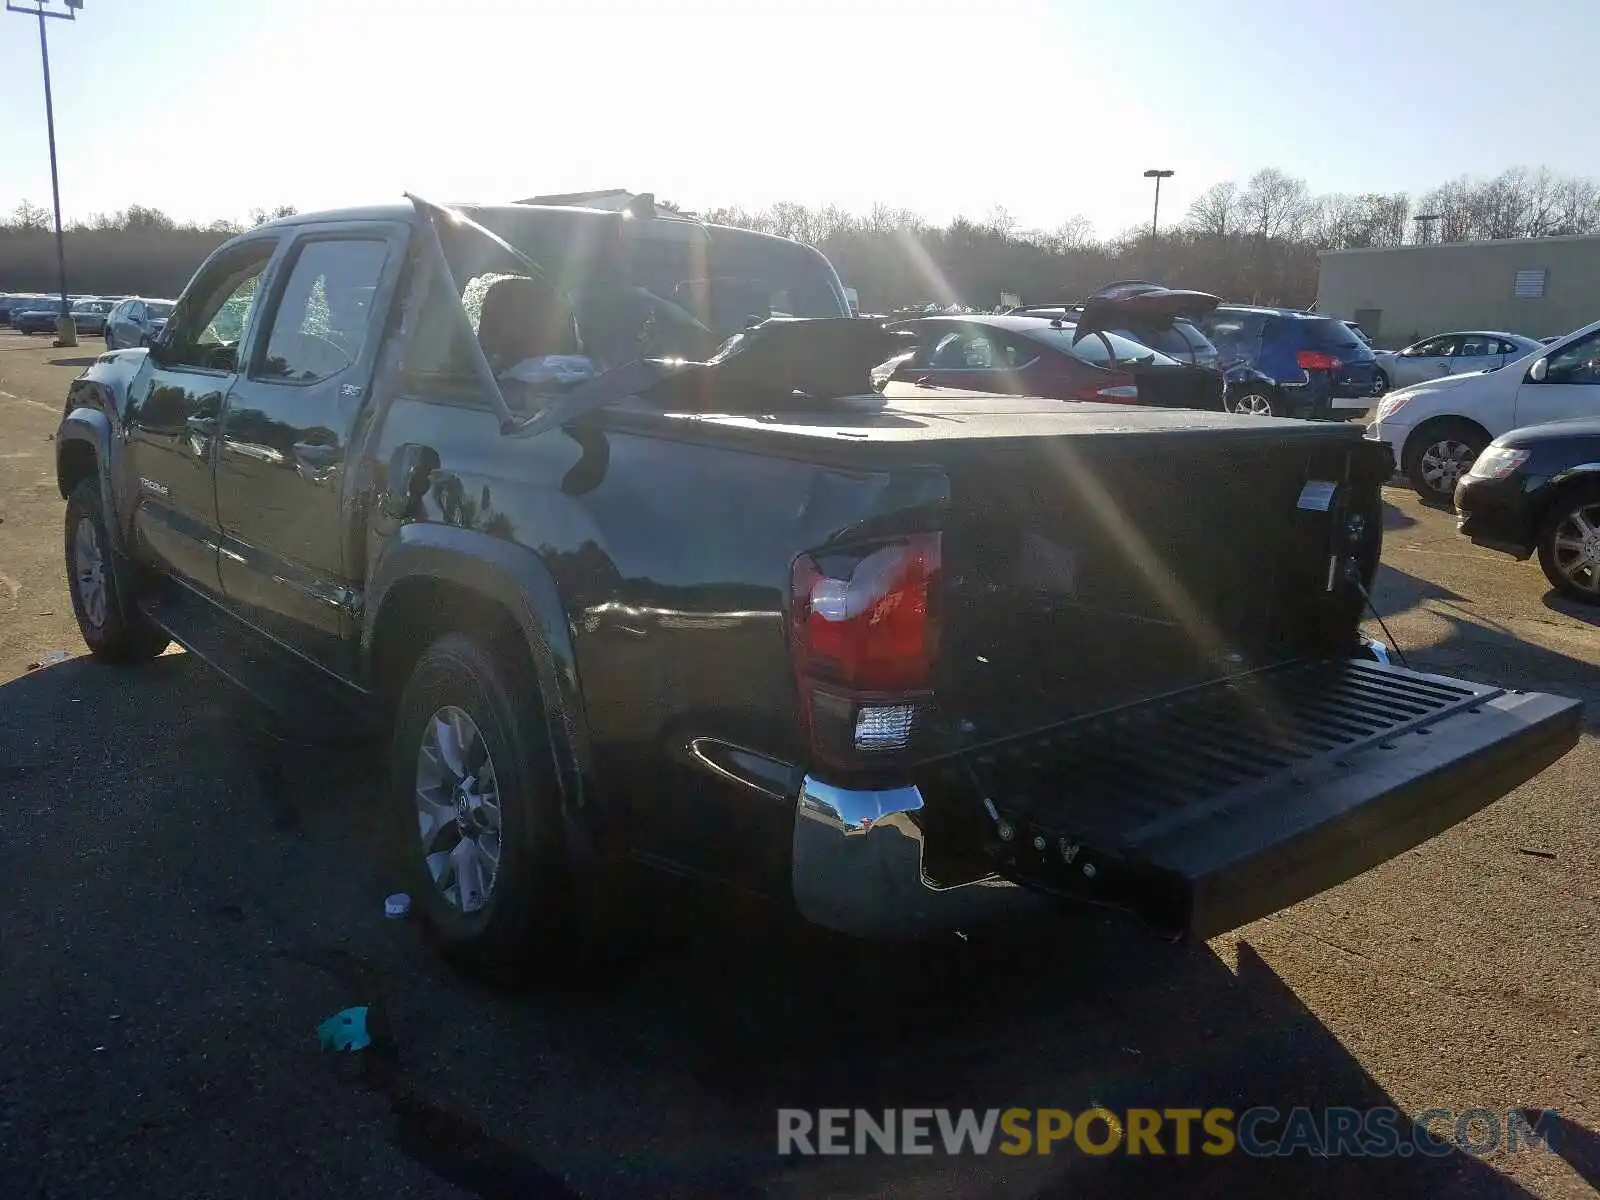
{"points": [[864, 634], [1317, 360]]}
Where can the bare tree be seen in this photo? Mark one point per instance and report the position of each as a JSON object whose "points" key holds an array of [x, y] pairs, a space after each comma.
{"points": [[28, 215], [1215, 212], [1274, 204]]}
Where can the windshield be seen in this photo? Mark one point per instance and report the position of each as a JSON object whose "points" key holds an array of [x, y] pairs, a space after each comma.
{"points": [[159, 308], [1101, 349]]}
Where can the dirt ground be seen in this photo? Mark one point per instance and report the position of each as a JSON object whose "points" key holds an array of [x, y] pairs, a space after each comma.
{"points": [[185, 905]]}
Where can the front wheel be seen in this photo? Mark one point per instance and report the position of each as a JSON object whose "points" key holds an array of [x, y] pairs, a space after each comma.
{"points": [[111, 634], [1383, 384], [1569, 545], [1254, 399], [476, 800], [1442, 456]]}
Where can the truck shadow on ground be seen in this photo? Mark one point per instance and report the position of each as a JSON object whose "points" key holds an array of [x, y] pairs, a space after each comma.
{"points": [[1567, 607], [674, 1063]]}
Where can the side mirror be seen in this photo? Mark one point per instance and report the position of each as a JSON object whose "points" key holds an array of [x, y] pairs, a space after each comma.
{"points": [[157, 352], [1537, 371]]}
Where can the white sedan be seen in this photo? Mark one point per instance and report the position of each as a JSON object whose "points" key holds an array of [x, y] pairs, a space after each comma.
{"points": [[1437, 429], [1451, 354]]}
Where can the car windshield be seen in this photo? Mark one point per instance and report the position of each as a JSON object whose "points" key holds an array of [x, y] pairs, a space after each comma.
{"points": [[1100, 349], [92, 306], [159, 308]]}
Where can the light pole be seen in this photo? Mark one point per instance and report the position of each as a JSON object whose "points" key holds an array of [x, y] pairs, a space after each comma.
{"points": [[1425, 222], [1158, 176], [66, 331]]}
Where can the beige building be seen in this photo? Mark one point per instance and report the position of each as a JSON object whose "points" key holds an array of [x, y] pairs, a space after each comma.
{"points": [[1537, 287]]}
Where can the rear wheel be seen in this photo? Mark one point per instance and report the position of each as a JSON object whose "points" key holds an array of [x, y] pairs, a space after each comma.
{"points": [[1440, 455], [111, 634], [1383, 382], [476, 800], [1253, 399], [1569, 544]]}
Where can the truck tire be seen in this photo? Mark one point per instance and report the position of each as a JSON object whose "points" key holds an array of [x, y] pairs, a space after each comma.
{"points": [[111, 635], [1564, 565], [476, 802], [1439, 454]]}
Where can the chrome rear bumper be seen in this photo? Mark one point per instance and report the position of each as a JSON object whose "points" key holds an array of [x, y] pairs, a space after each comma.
{"points": [[858, 869]]}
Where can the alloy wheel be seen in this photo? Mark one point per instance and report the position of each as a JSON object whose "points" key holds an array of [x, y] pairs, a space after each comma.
{"points": [[89, 566], [1445, 462], [1576, 547], [1253, 402], [458, 809]]}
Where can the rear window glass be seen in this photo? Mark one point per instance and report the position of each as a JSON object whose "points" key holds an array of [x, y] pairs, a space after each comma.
{"points": [[1101, 349], [1324, 331], [1168, 340]]}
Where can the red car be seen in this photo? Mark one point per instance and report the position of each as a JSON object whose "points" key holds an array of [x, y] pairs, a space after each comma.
{"points": [[1038, 356]]}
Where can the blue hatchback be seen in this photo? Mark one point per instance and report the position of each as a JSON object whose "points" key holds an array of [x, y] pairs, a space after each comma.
{"points": [[1311, 366]]}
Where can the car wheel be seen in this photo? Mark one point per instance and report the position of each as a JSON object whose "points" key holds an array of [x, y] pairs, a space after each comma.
{"points": [[1383, 383], [477, 803], [1253, 399], [111, 634], [1441, 456], [1569, 544]]}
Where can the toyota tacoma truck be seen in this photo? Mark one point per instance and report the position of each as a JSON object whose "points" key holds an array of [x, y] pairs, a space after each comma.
{"points": [[594, 519]]}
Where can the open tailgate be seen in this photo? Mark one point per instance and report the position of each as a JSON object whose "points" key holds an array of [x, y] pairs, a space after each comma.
{"points": [[1207, 808]]}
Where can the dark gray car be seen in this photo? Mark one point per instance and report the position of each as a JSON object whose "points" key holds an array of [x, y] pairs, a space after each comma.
{"points": [[136, 321]]}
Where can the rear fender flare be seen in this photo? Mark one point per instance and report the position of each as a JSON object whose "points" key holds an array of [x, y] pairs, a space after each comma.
{"points": [[517, 579]]}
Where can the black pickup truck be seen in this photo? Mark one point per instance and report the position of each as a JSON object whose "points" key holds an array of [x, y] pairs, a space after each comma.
{"points": [[595, 518]]}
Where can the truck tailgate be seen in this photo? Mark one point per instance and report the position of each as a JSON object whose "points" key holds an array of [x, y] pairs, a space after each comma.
{"points": [[1207, 808]]}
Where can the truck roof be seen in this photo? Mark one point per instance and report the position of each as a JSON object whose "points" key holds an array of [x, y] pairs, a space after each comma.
{"points": [[404, 212]]}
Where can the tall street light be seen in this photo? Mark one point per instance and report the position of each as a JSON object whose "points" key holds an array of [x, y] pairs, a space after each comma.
{"points": [[66, 331], [1158, 176]]}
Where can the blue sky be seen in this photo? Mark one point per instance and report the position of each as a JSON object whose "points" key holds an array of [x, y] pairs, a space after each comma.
{"points": [[207, 108]]}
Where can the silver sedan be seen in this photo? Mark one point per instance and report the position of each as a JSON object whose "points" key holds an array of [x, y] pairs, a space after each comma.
{"points": [[1452, 354]]}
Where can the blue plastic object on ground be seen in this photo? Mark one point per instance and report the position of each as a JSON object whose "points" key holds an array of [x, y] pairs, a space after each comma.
{"points": [[345, 1030]]}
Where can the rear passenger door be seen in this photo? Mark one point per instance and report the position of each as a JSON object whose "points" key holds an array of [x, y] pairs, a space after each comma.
{"points": [[978, 359], [285, 556]]}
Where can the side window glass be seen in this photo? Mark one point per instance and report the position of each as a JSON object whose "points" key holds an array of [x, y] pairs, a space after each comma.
{"points": [[1577, 363], [194, 333], [321, 323], [950, 353], [979, 353]]}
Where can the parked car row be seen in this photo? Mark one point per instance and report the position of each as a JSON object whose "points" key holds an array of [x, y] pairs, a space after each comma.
{"points": [[1120, 342], [123, 320]]}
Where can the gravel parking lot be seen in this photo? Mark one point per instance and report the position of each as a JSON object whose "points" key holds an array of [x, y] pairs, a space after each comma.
{"points": [[188, 899]]}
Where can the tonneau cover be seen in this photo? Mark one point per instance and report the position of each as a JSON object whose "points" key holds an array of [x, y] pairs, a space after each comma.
{"points": [[938, 415]]}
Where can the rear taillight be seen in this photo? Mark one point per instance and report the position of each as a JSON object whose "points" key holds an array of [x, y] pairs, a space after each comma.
{"points": [[864, 633], [1317, 360]]}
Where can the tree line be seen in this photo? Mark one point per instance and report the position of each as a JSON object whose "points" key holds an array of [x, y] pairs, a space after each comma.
{"points": [[134, 251], [1253, 241]]}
